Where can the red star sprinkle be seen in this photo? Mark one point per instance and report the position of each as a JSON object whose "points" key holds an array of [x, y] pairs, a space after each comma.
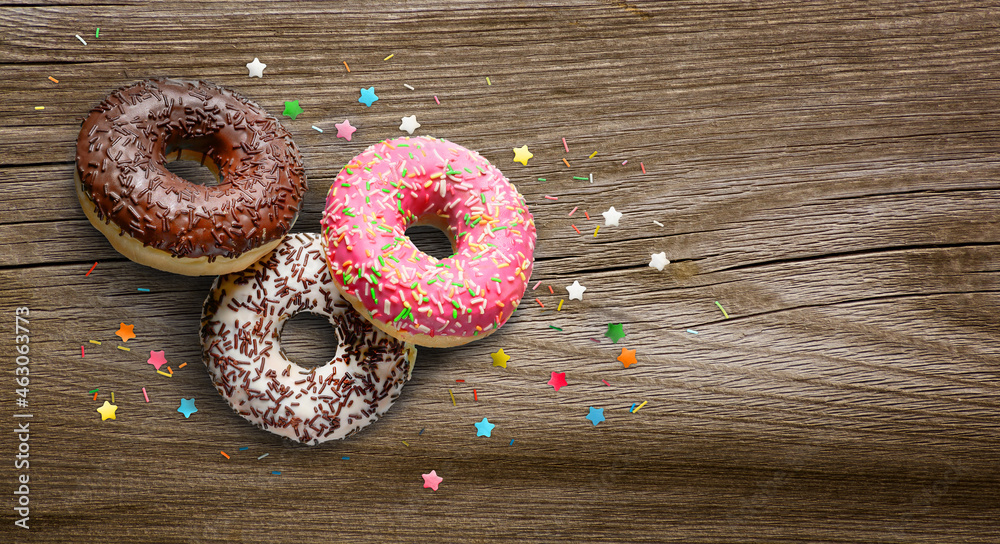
{"points": [[558, 380], [156, 359], [432, 480]]}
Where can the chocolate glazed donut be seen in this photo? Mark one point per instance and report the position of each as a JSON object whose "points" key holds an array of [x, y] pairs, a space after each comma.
{"points": [[154, 217]]}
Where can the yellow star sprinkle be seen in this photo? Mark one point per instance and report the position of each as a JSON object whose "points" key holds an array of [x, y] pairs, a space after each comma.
{"points": [[500, 358], [107, 411], [521, 155]]}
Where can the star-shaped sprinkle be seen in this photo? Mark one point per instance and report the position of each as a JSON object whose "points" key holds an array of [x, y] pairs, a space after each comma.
{"points": [[125, 332], [521, 155], [611, 217], [157, 359], [187, 407], [596, 415], [107, 411], [615, 332], [658, 260], [345, 130], [256, 68], [484, 428], [627, 357], [368, 96], [409, 124], [500, 358], [557, 380], [292, 109], [576, 290], [432, 480]]}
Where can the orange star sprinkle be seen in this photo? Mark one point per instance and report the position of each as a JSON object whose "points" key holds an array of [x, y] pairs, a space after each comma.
{"points": [[125, 332], [627, 357]]}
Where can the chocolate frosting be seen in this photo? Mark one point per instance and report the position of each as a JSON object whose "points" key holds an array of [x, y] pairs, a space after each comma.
{"points": [[125, 141]]}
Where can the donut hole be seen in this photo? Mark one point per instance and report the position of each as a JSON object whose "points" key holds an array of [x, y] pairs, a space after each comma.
{"points": [[192, 169], [431, 240], [308, 340]]}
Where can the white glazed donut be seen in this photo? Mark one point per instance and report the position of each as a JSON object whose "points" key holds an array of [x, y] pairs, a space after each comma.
{"points": [[240, 336]]}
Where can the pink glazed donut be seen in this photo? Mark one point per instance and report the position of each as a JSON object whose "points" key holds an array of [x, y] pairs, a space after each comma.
{"points": [[410, 295]]}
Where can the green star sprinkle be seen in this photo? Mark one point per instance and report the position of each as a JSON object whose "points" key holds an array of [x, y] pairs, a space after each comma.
{"points": [[292, 109], [615, 332]]}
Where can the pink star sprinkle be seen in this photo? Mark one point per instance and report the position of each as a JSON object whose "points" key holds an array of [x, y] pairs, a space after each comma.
{"points": [[558, 380], [156, 359], [345, 130], [432, 480]]}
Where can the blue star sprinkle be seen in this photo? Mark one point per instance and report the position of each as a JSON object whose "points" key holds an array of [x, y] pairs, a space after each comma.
{"points": [[484, 428], [368, 96], [187, 407], [596, 415]]}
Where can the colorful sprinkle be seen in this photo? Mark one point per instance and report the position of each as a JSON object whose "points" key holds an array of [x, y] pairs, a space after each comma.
{"points": [[81, 39], [187, 407], [263, 456], [224, 454], [557, 380], [572, 212], [567, 163], [639, 407], [142, 289], [144, 394], [409, 87], [453, 403], [346, 66], [724, 313], [317, 129], [551, 197], [566, 147], [484, 428], [592, 155], [692, 331], [91, 269], [53, 80], [389, 57]]}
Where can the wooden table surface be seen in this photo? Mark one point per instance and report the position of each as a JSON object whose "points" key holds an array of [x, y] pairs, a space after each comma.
{"points": [[825, 171]]}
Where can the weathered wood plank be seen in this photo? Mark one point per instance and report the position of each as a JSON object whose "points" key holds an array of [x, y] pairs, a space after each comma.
{"points": [[827, 172]]}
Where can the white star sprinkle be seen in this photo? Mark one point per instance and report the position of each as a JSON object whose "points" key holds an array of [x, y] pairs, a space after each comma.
{"points": [[611, 217], [256, 68], [659, 260], [576, 290], [409, 124]]}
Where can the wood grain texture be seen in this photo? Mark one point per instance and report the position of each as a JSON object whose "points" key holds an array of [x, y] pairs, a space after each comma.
{"points": [[827, 171]]}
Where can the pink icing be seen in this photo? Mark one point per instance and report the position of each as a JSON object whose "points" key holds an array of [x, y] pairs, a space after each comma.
{"points": [[396, 183]]}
